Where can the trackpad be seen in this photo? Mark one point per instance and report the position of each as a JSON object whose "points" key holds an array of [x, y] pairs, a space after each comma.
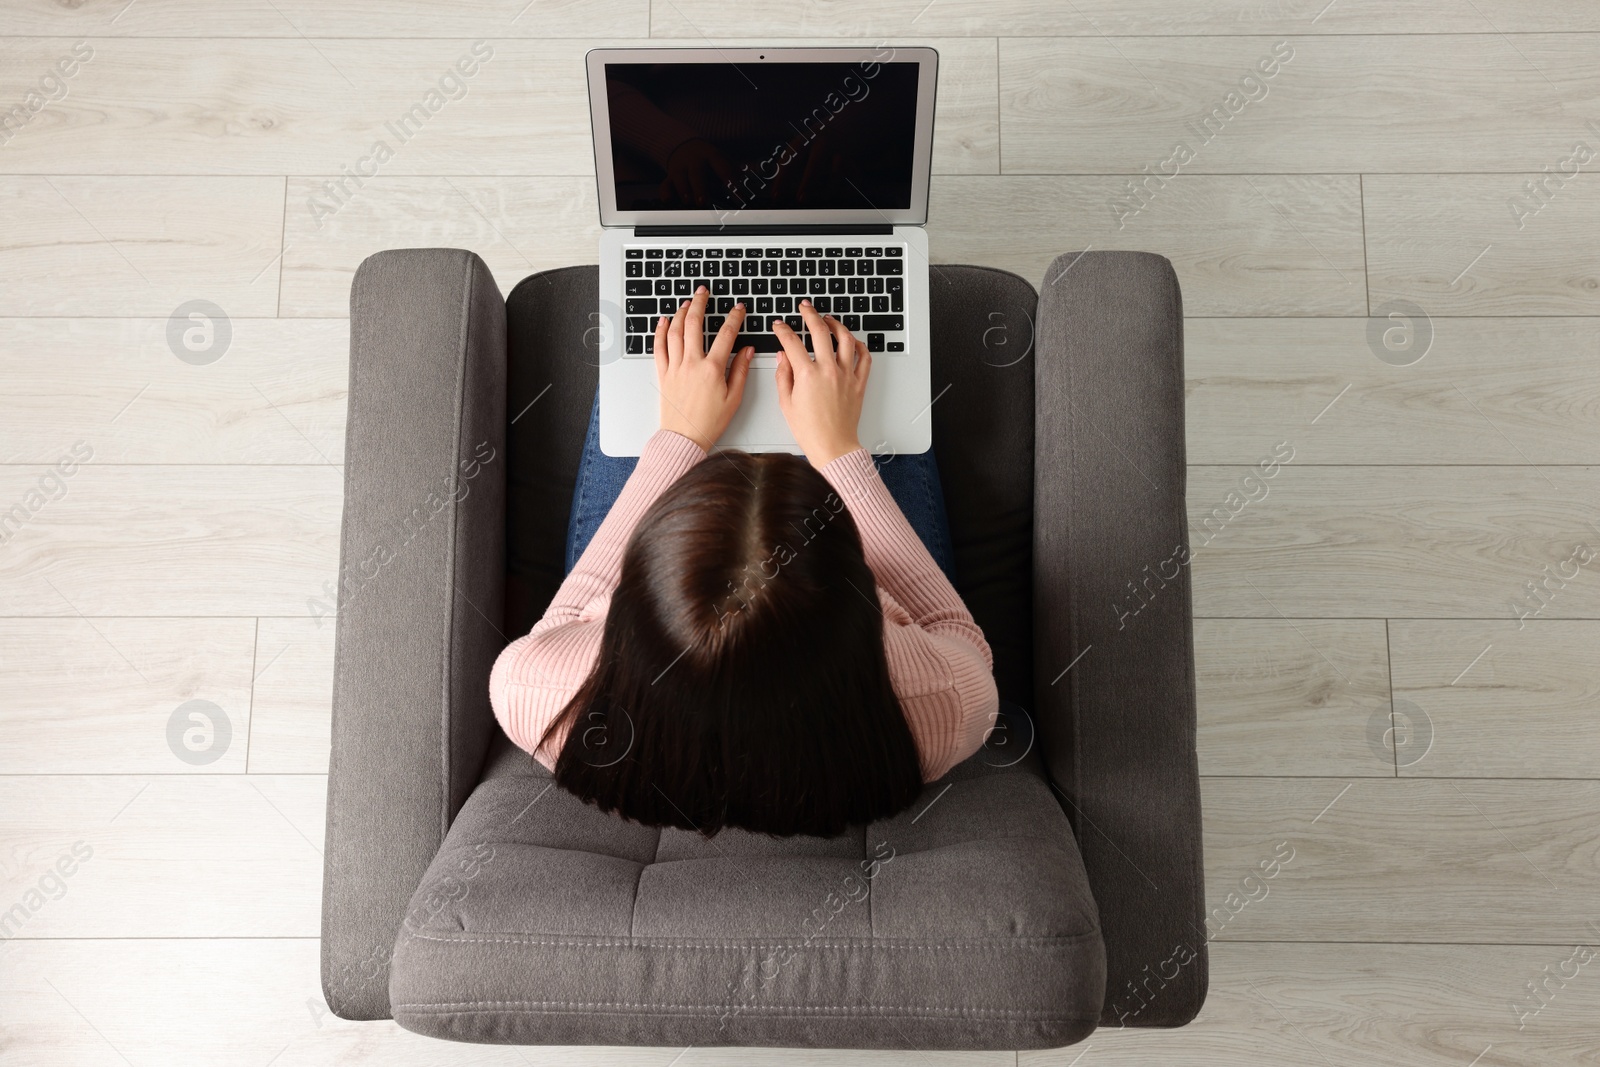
{"points": [[759, 426]]}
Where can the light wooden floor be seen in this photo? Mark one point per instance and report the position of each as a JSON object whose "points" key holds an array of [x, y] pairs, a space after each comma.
{"points": [[1435, 880]]}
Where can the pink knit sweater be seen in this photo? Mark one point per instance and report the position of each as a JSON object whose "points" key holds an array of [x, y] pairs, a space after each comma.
{"points": [[939, 663]]}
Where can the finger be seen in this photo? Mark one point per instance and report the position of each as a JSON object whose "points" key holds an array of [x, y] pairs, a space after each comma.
{"points": [[675, 331], [694, 324], [785, 381], [737, 375], [863, 368], [722, 344], [663, 359], [793, 345], [821, 338], [845, 341]]}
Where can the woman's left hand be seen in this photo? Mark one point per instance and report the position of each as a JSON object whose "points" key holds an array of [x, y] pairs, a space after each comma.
{"points": [[699, 390]]}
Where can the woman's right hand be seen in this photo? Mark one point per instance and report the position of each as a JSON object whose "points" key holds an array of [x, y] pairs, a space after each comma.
{"points": [[821, 398]]}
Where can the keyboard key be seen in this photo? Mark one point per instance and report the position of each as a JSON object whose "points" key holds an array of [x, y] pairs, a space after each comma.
{"points": [[638, 287], [780, 286], [752, 253], [784, 305], [836, 285], [691, 267], [634, 269], [673, 269], [890, 266], [774, 253], [636, 345], [885, 322], [732, 253], [749, 268], [640, 324], [741, 287], [641, 307], [763, 305], [860, 303], [794, 253], [827, 267], [853, 253], [874, 342], [879, 303], [694, 253], [823, 304], [852, 322], [652, 253], [634, 253], [875, 252], [719, 286], [846, 266], [813, 251], [863, 266], [896, 290], [682, 287], [818, 285], [758, 286], [663, 286], [674, 253], [769, 267], [762, 342], [856, 285], [794, 322], [701, 282], [835, 253], [897, 346], [713, 253], [667, 305], [712, 268], [714, 322], [789, 267], [652, 268], [808, 267], [892, 252], [874, 284]]}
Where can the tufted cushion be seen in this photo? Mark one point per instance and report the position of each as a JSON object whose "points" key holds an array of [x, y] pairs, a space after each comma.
{"points": [[964, 922]]}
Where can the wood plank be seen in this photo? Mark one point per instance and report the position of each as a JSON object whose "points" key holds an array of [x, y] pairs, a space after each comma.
{"points": [[137, 245], [329, 18], [1404, 859], [809, 19], [301, 107], [1264, 245], [1254, 382], [1452, 244], [98, 696], [172, 540], [1383, 1005], [274, 394], [259, 1000], [1499, 701], [221, 855], [292, 715], [1275, 699], [1247, 105], [518, 225], [1395, 542]]}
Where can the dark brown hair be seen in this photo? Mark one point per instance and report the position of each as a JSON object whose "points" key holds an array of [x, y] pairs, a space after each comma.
{"points": [[741, 679]]}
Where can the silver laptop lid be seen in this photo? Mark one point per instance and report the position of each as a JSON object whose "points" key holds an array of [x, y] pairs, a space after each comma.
{"points": [[759, 136]]}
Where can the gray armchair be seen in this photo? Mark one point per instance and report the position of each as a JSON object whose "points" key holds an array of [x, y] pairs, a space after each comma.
{"points": [[1050, 884]]}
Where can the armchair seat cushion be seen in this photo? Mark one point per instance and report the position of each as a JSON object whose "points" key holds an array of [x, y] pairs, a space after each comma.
{"points": [[964, 922]]}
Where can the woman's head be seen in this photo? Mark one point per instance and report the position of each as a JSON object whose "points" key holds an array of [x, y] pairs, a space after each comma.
{"points": [[742, 679]]}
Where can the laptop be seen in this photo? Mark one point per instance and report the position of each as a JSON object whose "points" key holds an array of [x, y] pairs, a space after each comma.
{"points": [[769, 175]]}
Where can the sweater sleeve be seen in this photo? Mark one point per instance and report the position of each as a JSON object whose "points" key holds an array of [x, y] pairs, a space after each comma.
{"points": [[536, 675], [939, 662]]}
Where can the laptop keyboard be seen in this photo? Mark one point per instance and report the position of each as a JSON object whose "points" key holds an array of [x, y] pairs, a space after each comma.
{"points": [[863, 286]]}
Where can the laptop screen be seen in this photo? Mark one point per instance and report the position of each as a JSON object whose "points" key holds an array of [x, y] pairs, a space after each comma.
{"points": [[782, 136]]}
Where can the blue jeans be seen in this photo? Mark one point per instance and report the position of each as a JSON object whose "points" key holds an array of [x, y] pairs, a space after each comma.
{"points": [[913, 481]]}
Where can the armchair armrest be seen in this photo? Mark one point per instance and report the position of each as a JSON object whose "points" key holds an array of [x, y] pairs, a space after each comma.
{"points": [[422, 570], [1114, 676]]}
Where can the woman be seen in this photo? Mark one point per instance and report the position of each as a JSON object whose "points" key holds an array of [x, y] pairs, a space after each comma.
{"points": [[752, 640]]}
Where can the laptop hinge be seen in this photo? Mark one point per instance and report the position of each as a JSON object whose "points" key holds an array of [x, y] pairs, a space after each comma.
{"points": [[775, 230]]}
